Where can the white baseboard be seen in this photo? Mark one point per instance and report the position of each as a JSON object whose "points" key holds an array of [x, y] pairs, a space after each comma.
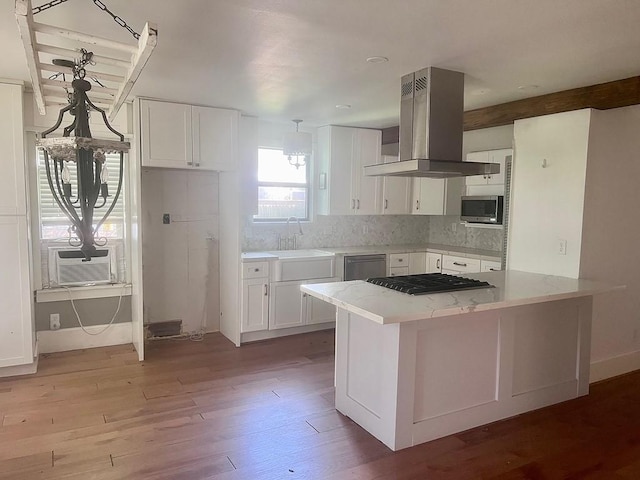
{"points": [[75, 339], [612, 367]]}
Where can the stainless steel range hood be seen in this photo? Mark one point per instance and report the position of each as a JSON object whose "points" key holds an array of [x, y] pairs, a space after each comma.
{"points": [[431, 117]]}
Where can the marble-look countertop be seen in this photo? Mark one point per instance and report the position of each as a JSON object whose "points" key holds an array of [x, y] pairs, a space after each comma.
{"points": [[388, 249], [512, 288]]}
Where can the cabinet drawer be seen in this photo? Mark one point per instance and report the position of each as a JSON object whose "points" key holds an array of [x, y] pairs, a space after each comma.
{"points": [[490, 266], [255, 269], [460, 264], [398, 260], [397, 271]]}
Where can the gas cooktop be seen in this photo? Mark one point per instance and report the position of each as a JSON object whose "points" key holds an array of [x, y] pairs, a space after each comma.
{"points": [[428, 283]]}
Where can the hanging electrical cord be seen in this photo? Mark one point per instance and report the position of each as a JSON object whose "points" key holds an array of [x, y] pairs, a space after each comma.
{"points": [[113, 319]]}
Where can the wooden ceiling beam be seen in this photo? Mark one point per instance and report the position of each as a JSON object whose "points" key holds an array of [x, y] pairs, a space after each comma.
{"points": [[616, 94]]}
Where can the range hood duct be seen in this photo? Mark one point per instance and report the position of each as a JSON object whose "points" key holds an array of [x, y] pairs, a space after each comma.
{"points": [[431, 120]]}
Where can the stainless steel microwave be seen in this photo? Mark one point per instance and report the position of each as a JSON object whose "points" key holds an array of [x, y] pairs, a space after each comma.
{"points": [[482, 209]]}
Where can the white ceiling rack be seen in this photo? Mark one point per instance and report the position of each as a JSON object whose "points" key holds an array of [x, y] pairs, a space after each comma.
{"points": [[117, 66]]}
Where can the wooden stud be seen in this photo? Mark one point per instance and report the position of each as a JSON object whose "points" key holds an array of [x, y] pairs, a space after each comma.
{"points": [[72, 54]]}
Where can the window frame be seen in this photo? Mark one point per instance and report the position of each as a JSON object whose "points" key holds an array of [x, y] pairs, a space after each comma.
{"points": [[306, 186], [119, 213]]}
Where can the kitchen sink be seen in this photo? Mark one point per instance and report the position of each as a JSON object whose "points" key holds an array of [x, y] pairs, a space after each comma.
{"points": [[302, 265]]}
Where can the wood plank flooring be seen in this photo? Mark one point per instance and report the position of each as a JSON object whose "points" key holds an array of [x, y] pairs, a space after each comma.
{"points": [[208, 410]]}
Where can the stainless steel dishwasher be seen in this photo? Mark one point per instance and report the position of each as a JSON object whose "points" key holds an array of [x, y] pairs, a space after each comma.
{"points": [[361, 267]]}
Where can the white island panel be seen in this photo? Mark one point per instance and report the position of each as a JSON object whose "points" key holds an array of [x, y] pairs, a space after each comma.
{"points": [[410, 381]]}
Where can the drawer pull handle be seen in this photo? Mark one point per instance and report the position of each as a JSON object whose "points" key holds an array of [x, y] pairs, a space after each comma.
{"points": [[256, 269], [494, 270], [438, 264], [266, 290], [460, 264], [400, 260]]}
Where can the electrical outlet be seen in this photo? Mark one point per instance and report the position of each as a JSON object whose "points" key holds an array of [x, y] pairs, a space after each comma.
{"points": [[454, 226], [54, 321], [166, 218], [562, 247]]}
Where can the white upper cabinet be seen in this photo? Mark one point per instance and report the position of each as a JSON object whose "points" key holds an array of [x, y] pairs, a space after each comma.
{"points": [[165, 134], [174, 135], [215, 132], [12, 181], [490, 156], [434, 196], [396, 192], [342, 154]]}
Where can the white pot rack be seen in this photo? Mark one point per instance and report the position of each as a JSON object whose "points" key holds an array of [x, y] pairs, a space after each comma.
{"points": [[123, 62]]}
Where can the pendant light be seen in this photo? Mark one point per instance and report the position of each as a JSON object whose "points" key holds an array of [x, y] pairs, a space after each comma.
{"points": [[87, 204], [297, 144]]}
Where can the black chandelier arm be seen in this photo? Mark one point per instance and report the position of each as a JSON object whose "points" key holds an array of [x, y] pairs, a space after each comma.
{"points": [[55, 192], [59, 121], [67, 205], [117, 194], [104, 119], [68, 129]]}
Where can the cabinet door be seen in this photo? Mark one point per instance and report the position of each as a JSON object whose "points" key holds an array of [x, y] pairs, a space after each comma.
{"points": [[398, 271], [255, 305], [434, 262], [490, 266], [12, 181], [428, 196], [417, 263], [368, 190], [395, 195], [316, 310], [214, 138], [477, 157], [285, 305], [338, 159], [166, 137], [498, 156], [16, 327]]}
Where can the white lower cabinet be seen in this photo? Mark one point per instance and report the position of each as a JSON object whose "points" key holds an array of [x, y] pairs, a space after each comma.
{"points": [[255, 297], [407, 263], [434, 262], [255, 304], [453, 264], [490, 266], [289, 307], [417, 263]]}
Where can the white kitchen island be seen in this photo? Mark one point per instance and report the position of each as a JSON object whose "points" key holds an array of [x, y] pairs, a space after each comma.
{"points": [[410, 369]]}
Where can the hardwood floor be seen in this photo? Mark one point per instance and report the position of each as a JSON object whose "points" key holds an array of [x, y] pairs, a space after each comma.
{"points": [[208, 410]]}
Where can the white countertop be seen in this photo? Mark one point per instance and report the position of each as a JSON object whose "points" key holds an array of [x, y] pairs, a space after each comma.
{"points": [[512, 288], [368, 249]]}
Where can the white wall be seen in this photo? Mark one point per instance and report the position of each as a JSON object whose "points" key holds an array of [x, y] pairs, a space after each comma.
{"points": [[611, 235], [547, 203], [588, 195]]}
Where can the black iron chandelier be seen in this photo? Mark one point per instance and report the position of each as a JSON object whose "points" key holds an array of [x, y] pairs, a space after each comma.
{"points": [[81, 202]]}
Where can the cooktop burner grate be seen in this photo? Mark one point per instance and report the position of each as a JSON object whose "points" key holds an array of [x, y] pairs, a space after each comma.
{"points": [[428, 283]]}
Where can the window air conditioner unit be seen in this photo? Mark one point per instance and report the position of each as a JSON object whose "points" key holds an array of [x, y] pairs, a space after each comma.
{"points": [[67, 267]]}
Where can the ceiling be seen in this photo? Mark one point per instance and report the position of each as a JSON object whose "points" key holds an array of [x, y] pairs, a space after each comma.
{"points": [[285, 59]]}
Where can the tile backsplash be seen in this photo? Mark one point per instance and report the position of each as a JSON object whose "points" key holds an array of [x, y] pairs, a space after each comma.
{"points": [[448, 230], [345, 231], [341, 231]]}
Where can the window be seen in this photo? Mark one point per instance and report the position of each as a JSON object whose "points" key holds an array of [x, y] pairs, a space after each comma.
{"points": [[53, 222], [283, 190]]}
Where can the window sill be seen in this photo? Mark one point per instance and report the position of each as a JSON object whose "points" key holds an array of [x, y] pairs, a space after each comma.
{"points": [[81, 293]]}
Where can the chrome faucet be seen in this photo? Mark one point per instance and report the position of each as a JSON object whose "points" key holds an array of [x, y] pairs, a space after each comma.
{"points": [[290, 242]]}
